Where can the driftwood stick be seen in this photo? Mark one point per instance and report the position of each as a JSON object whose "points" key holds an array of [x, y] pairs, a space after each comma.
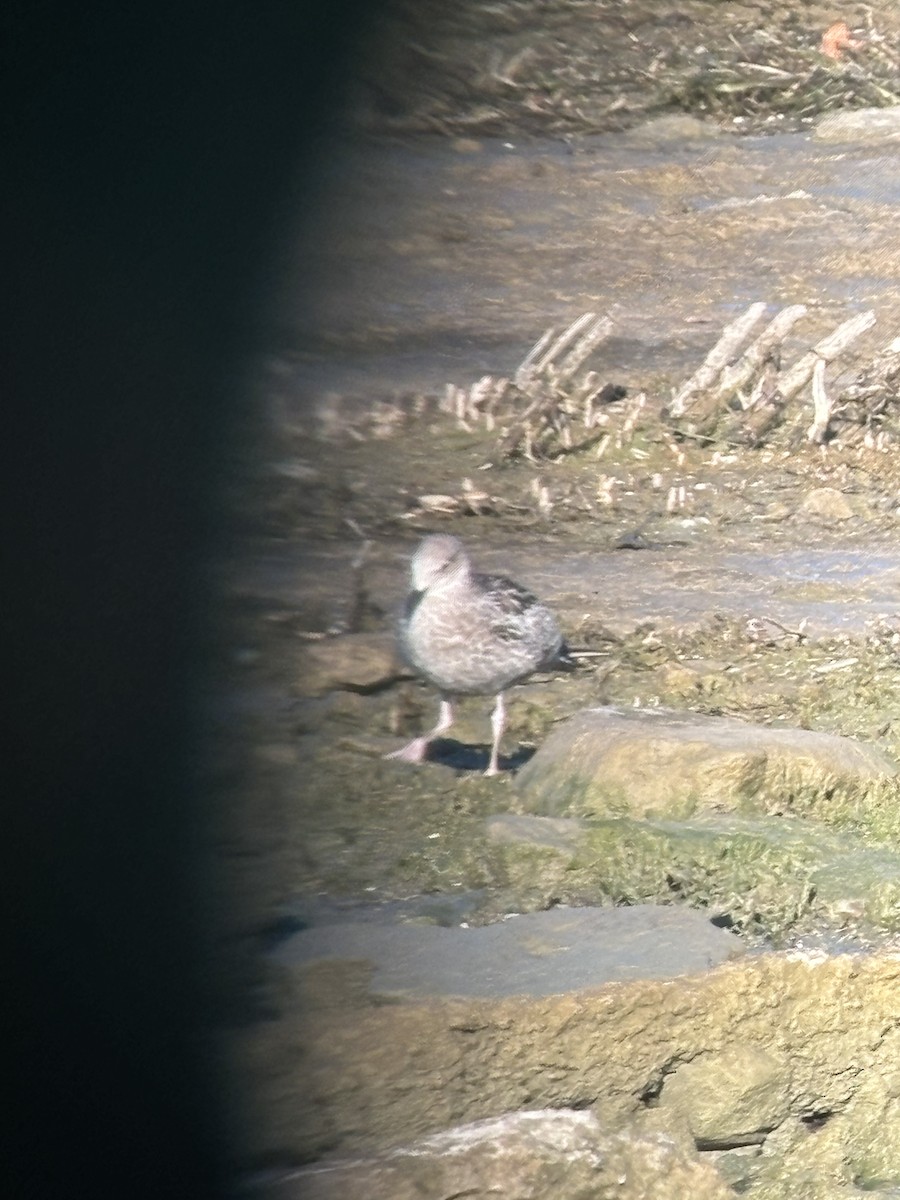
{"points": [[479, 396], [879, 376], [546, 385], [736, 376], [590, 384], [584, 443], [501, 387], [600, 329], [528, 425], [584, 394], [764, 411], [763, 418], [828, 349], [565, 339], [721, 354], [818, 431], [462, 407], [526, 368], [447, 402], [522, 424]]}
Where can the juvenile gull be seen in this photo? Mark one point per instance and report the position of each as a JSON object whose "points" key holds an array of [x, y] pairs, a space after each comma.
{"points": [[471, 635]]}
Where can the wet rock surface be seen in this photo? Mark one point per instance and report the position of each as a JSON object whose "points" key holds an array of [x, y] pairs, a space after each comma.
{"points": [[533, 954]]}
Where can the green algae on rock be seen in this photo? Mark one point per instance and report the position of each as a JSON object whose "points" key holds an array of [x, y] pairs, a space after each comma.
{"points": [[614, 762]]}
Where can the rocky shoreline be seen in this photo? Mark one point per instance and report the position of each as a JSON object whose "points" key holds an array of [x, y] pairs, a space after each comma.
{"points": [[658, 952]]}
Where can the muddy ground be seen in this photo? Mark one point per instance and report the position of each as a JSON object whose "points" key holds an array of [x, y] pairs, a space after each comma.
{"points": [[432, 261]]}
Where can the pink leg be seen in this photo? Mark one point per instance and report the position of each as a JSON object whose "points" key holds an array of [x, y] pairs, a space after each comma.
{"points": [[417, 749], [498, 722]]}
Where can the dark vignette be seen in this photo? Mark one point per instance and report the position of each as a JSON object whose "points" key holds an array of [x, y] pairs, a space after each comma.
{"points": [[150, 152]]}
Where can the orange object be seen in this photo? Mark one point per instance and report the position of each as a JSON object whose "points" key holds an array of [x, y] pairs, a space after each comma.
{"points": [[836, 39]]}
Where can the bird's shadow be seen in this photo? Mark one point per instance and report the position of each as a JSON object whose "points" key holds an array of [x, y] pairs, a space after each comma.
{"points": [[448, 752]]}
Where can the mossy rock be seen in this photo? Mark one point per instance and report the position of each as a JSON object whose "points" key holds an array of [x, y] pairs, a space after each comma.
{"points": [[658, 763]]}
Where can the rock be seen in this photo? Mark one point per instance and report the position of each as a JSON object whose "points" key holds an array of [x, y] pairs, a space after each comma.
{"points": [[828, 503], [356, 661], [353, 1077], [613, 762], [692, 676], [533, 954], [674, 127], [859, 125], [554, 1154], [730, 1099], [776, 511]]}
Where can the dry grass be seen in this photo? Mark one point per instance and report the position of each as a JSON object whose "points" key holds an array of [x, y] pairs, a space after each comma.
{"points": [[508, 67]]}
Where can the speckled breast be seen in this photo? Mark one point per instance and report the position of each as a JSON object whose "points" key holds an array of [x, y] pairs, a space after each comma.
{"points": [[463, 648]]}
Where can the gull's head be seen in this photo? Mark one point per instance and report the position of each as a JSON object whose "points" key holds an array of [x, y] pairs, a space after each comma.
{"points": [[439, 559]]}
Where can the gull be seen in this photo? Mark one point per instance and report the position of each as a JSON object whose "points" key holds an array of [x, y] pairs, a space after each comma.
{"points": [[471, 635]]}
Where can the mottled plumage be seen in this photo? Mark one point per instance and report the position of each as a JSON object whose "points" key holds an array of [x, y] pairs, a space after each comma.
{"points": [[471, 635]]}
